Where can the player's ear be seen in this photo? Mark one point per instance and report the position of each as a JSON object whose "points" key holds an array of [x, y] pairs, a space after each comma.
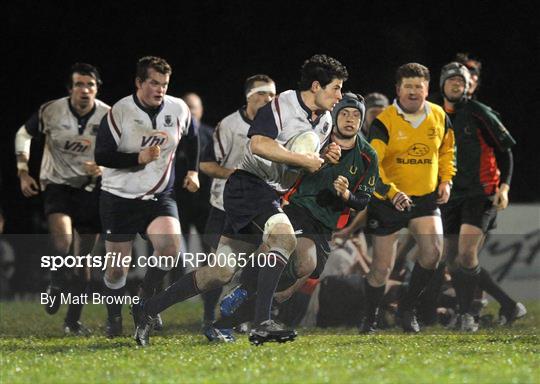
{"points": [[315, 86], [138, 82]]}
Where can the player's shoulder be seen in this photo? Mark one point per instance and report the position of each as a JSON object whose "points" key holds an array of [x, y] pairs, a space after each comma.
{"points": [[175, 102], [482, 110], [124, 103], [436, 109], [101, 104], [387, 114], [366, 148], [55, 106], [233, 120]]}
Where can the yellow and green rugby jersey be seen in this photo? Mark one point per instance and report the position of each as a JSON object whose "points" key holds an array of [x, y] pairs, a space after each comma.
{"points": [[412, 160]]}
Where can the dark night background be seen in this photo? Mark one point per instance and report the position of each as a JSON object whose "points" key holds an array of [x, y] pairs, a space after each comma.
{"points": [[214, 46]]}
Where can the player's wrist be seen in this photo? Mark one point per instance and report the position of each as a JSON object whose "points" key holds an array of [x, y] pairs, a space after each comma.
{"points": [[22, 168]]}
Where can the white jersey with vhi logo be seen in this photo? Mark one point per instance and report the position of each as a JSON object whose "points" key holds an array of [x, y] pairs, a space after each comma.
{"points": [[135, 128], [69, 141]]}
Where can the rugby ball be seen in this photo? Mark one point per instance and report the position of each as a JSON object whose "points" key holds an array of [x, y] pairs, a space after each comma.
{"points": [[305, 142]]}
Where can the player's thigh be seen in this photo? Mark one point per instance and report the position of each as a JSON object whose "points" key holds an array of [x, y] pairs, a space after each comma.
{"points": [[428, 233]]}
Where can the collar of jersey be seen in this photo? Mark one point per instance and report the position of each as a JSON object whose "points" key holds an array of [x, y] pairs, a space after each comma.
{"points": [[150, 111], [79, 117], [309, 112], [243, 115]]}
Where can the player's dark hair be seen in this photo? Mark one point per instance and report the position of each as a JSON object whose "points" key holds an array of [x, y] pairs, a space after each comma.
{"points": [[473, 64], [323, 69], [83, 69], [411, 70], [156, 63], [248, 84]]}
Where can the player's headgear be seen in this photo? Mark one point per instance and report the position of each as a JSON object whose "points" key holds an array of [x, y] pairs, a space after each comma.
{"points": [[455, 69], [376, 99], [350, 100]]}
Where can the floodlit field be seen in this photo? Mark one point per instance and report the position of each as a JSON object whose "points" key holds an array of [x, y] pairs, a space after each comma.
{"points": [[33, 350]]}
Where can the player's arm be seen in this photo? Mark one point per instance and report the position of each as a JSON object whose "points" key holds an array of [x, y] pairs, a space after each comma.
{"points": [[106, 152], [215, 153], [447, 168], [497, 136], [192, 149], [360, 195], [262, 133], [23, 140]]}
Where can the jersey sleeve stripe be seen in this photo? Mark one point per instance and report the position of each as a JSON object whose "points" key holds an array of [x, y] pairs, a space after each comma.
{"points": [[115, 131], [278, 112]]}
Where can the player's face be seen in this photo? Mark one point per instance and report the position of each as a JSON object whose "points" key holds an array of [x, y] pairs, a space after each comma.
{"points": [[194, 103], [259, 99], [372, 113], [83, 90], [473, 84], [327, 97], [453, 88], [348, 122], [152, 90], [412, 93]]}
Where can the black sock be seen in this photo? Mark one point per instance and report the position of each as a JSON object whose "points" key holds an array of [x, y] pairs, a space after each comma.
{"points": [[267, 283], [182, 289], [486, 283], [374, 296], [428, 298], [248, 279], [245, 312], [114, 309], [152, 279], [210, 300], [420, 278], [74, 310], [469, 282]]}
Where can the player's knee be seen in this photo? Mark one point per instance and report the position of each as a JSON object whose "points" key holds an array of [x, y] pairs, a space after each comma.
{"points": [[224, 275], [468, 258], [306, 265], [281, 235], [115, 278], [380, 274], [61, 244]]}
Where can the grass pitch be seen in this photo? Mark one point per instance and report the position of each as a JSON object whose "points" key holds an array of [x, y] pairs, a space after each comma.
{"points": [[33, 350]]}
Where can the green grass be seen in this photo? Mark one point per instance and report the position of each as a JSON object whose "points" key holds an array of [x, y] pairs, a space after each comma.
{"points": [[33, 350]]}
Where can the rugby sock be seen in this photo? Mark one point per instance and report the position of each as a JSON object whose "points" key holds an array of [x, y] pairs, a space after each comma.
{"points": [[420, 278], [486, 283], [152, 279], [267, 283], [210, 300], [428, 298], [114, 309], [469, 282], [182, 289], [374, 297], [249, 278], [74, 310]]}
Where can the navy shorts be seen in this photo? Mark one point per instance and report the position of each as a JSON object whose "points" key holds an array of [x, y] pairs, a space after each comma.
{"points": [[249, 202], [80, 205], [475, 210], [123, 218], [384, 219], [305, 225], [214, 227]]}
